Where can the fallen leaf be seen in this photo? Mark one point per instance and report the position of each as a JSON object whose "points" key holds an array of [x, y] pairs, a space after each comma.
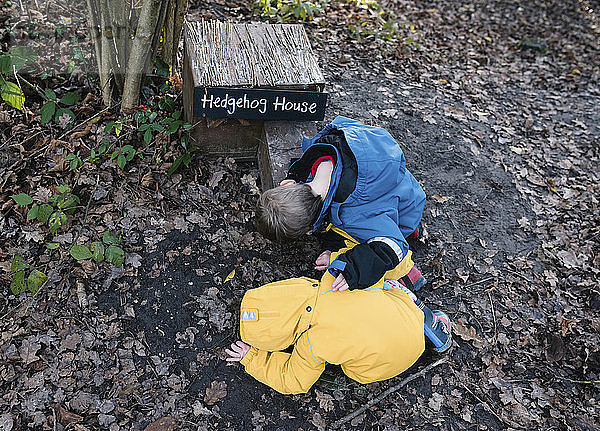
{"points": [[440, 199], [568, 258], [166, 423], [215, 178], [28, 351], [318, 421], [435, 402], [6, 422], [65, 417], [466, 333], [216, 392], [565, 326], [325, 401], [229, 276], [556, 348]]}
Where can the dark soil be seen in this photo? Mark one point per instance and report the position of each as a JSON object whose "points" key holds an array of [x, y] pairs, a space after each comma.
{"points": [[495, 106]]}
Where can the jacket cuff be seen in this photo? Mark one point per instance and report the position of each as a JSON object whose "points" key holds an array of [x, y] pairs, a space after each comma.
{"points": [[336, 267], [249, 356]]}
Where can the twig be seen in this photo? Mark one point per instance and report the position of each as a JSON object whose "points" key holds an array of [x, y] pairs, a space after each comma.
{"points": [[454, 224], [478, 282], [494, 316], [87, 208], [487, 407], [387, 392], [21, 143], [88, 119], [519, 275], [583, 382]]}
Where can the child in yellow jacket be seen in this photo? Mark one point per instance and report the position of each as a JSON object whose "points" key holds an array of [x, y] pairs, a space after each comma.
{"points": [[373, 334]]}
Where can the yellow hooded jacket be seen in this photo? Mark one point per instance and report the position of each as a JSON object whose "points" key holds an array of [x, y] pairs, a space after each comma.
{"points": [[374, 334]]}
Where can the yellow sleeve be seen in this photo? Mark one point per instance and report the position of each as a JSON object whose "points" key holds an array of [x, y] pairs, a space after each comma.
{"points": [[287, 373]]}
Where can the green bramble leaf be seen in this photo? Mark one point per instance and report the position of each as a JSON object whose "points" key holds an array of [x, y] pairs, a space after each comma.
{"points": [[121, 161], [12, 94], [22, 199], [115, 255], [35, 280], [97, 249], [47, 111], [5, 63], [44, 212], [110, 239], [17, 284], [80, 252], [33, 212], [50, 94], [63, 188], [18, 264], [128, 151], [70, 98], [52, 245], [22, 56], [175, 165], [57, 219]]}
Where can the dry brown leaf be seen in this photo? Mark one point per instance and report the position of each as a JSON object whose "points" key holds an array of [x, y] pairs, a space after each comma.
{"points": [[440, 199], [318, 421], [467, 333], [325, 401], [84, 132], [216, 392], [565, 326], [166, 423], [65, 417]]}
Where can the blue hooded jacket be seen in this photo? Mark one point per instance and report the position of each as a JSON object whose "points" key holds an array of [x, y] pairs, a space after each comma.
{"points": [[387, 202]]}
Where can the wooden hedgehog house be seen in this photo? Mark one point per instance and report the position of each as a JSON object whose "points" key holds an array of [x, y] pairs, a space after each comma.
{"points": [[251, 90]]}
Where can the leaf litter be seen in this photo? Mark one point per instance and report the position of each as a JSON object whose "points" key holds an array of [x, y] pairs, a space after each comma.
{"points": [[496, 112]]}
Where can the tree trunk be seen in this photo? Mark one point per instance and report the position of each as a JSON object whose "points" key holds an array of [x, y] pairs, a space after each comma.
{"points": [[139, 56], [124, 55]]}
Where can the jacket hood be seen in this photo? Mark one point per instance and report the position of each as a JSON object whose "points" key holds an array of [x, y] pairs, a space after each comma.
{"points": [[273, 316]]}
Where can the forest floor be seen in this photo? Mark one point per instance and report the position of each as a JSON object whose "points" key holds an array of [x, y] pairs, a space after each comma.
{"points": [[495, 105]]}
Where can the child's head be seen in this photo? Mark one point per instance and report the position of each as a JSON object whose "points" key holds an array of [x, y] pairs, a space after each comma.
{"points": [[287, 212]]}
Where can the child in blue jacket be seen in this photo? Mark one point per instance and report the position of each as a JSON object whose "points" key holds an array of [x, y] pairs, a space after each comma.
{"points": [[352, 180]]}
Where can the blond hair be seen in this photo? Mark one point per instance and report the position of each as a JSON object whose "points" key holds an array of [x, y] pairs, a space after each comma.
{"points": [[287, 212]]}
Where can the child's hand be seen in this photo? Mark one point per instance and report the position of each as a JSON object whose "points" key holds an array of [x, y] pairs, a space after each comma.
{"points": [[322, 261], [339, 284], [237, 352]]}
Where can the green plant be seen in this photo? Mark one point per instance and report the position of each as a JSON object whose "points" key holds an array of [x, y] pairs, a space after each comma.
{"points": [[533, 44], [58, 108], [123, 155], [74, 160], [19, 283], [10, 63], [54, 212], [97, 250], [184, 158], [372, 22], [96, 154], [284, 10], [145, 121]]}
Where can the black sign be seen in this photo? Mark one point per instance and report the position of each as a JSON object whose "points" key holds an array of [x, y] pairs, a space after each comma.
{"points": [[256, 103]]}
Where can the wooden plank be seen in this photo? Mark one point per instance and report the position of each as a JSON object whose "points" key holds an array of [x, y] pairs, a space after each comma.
{"points": [[251, 55], [281, 144]]}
